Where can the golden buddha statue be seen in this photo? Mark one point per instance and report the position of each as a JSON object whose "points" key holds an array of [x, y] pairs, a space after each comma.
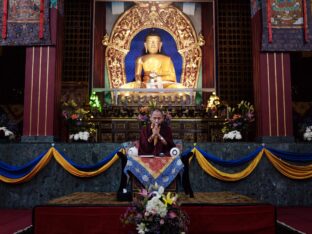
{"points": [[158, 69]]}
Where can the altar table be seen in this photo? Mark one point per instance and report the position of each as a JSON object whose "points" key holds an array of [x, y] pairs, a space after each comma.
{"points": [[152, 170]]}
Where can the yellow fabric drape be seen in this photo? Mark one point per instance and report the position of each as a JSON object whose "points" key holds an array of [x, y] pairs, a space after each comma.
{"points": [[289, 170], [211, 170], [52, 152], [74, 171]]}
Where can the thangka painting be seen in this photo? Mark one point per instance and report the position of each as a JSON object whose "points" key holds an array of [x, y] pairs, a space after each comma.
{"points": [[24, 22], [286, 25], [287, 14]]}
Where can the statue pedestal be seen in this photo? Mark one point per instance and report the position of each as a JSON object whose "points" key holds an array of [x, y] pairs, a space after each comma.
{"points": [[142, 96]]}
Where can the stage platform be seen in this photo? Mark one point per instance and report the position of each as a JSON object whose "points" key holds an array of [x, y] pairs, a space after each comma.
{"points": [[215, 212]]}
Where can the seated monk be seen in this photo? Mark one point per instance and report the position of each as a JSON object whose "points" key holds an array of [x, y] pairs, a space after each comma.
{"points": [[156, 138], [158, 68]]}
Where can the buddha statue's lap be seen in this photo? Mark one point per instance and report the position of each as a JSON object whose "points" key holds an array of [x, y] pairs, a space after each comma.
{"points": [[135, 85]]}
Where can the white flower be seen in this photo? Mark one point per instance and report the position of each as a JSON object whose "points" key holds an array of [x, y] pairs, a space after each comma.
{"points": [[308, 134], [7, 133], [141, 228], [156, 206], [161, 190], [76, 137], [85, 136], [238, 135], [233, 135], [80, 136]]}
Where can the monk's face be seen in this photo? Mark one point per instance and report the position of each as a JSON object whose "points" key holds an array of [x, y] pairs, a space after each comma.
{"points": [[153, 44], [156, 117]]}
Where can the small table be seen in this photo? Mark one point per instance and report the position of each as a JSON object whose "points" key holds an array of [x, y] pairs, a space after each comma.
{"points": [[152, 170]]}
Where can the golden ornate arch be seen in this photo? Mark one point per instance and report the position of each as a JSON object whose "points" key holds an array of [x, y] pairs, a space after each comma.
{"points": [[153, 15]]}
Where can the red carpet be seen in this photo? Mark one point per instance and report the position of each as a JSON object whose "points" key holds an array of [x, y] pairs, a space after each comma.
{"points": [[297, 218], [231, 219], [14, 220], [213, 213], [106, 220]]}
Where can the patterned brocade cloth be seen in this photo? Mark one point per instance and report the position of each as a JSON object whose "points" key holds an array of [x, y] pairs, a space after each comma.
{"points": [[151, 170]]}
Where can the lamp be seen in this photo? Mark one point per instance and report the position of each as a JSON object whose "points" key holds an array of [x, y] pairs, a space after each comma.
{"points": [[212, 104]]}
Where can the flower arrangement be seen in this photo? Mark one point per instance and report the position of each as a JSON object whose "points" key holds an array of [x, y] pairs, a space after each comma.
{"points": [[77, 120], [153, 212], [10, 129], [307, 135], [239, 119]]}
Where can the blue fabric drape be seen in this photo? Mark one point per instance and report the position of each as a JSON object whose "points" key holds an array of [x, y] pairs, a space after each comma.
{"points": [[19, 171], [291, 156], [230, 163]]}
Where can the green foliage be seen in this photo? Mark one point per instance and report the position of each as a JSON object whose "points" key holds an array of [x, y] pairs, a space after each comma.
{"points": [[95, 103]]}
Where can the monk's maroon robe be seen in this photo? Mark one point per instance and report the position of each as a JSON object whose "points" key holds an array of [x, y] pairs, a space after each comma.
{"points": [[146, 148]]}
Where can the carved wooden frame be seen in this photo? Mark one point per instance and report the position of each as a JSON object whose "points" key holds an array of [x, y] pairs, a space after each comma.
{"points": [[145, 15]]}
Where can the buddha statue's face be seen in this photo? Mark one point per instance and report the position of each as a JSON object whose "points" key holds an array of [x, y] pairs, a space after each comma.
{"points": [[153, 44]]}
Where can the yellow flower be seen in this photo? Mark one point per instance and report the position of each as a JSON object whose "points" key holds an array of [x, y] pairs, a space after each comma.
{"points": [[169, 199]]}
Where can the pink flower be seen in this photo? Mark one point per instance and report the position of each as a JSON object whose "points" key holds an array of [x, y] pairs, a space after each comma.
{"points": [[144, 193], [172, 214], [236, 116], [74, 116]]}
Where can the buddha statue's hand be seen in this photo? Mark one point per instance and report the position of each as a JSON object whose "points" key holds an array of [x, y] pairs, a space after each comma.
{"points": [[153, 75]]}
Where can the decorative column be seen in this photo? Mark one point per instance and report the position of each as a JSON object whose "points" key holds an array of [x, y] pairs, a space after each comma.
{"points": [[98, 76], [42, 86], [272, 90], [208, 50]]}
